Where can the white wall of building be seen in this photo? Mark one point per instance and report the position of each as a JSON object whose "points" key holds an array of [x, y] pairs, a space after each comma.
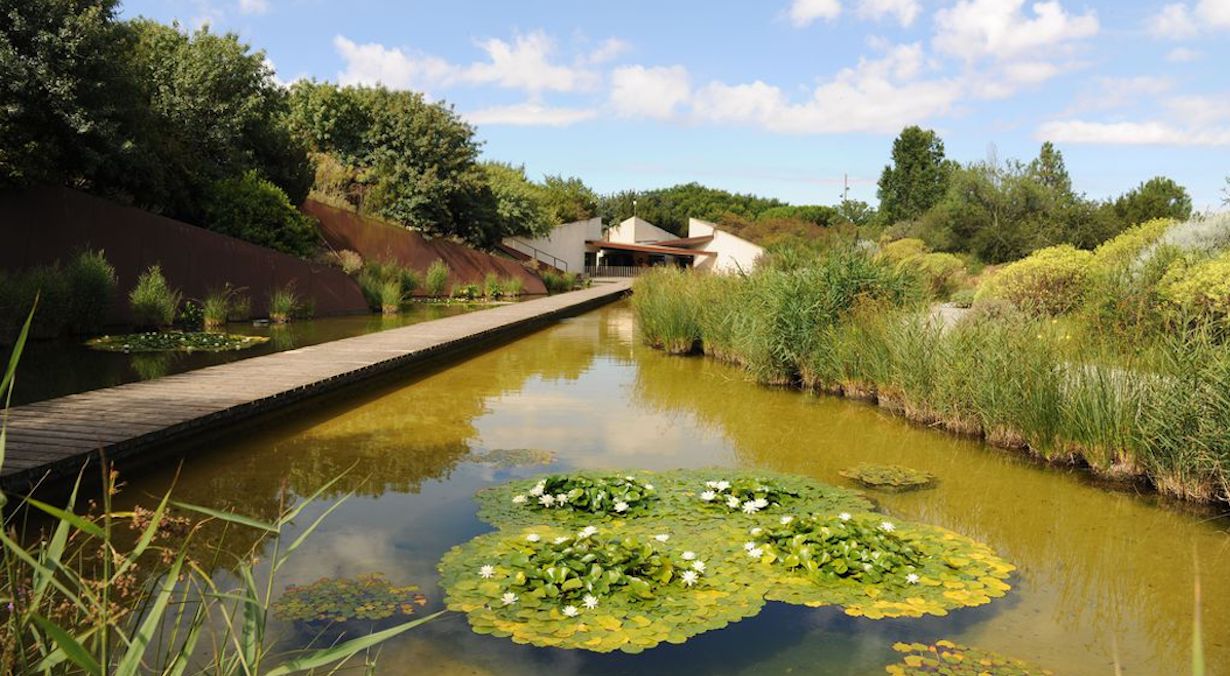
{"points": [[637, 230], [566, 242], [733, 253]]}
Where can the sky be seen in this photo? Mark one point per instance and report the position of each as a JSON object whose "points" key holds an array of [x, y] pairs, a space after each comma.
{"points": [[782, 98]]}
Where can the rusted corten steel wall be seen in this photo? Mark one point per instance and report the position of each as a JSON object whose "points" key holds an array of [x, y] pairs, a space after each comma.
{"points": [[42, 225], [375, 239]]}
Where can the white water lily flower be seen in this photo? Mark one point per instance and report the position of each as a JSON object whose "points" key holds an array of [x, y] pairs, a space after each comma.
{"points": [[756, 531], [711, 484], [486, 572], [519, 499], [844, 516], [509, 598], [698, 566], [590, 601], [661, 537], [630, 478], [755, 552], [732, 502], [708, 496], [761, 503], [547, 500], [749, 546], [688, 556], [587, 531], [750, 507], [722, 485], [533, 537], [867, 567], [649, 487], [786, 519], [912, 578], [887, 526], [560, 540], [561, 499], [570, 611], [538, 489], [689, 577], [621, 506]]}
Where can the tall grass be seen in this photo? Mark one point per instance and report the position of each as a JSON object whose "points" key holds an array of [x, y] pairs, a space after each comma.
{"points": [[665, 302], [514, 286], [284, 303], [436, 280], [153, 301], [386, 285], [88, 598], [220, 305], [493, 286], [75, 298], [91, 285]]}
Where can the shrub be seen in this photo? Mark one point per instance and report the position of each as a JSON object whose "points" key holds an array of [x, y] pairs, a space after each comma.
{"points": [[903, 249], [17, 293], [514, 286], [962, 298], [152, 300], [467, 291], [436, 279], [255, 210], [380, 282], [941, 273], [284, 303], [349, 261], [391, 296], [493, 287], [555, 282], [1199, 290], [91, 286], [1049, 281]]}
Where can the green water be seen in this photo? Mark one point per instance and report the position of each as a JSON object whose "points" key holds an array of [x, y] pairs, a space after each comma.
{"points": [[67, 366], [1104, 577]]}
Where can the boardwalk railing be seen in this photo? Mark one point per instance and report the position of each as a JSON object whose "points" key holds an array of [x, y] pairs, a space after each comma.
{"points": [[535, 253], [614, 270]]}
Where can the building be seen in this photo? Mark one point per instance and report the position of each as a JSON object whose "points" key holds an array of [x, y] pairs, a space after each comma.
{"points": [[635, 245]]}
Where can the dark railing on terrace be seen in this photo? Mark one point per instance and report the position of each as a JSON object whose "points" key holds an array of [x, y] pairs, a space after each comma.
{"points": [[614, 270], [536, 254]]}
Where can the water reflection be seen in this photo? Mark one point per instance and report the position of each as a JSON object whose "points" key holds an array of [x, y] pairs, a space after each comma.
{"points": [[1098, 569]]}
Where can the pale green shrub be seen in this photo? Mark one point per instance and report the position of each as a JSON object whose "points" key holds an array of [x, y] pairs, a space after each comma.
{"points": [[1049, 281]]}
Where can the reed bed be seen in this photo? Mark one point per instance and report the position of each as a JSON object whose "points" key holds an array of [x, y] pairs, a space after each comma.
{"points": [[1155, 411]]}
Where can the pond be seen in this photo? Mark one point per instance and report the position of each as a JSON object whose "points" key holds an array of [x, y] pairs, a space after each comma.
{"points": [[1104, 577], [67, 366]]}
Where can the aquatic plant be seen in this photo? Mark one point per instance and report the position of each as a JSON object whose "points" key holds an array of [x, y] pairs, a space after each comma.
{"points": [[610, 495], [617, 587], [467, 292], [954, 659], [153, 302], [284, 303], [436, 279], [664, 301], [331, 600], [889, 477], [513, 286], [218, 306], [746, 494], [91, 286], [504, 458], [493, 286], [175, 341]]}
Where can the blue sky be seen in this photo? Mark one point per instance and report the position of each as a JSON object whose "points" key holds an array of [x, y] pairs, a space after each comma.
{"points": [[780, 97]]}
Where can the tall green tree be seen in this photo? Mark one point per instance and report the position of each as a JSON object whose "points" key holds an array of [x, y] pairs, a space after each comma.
{"points": [[65, 97], [1049, 169], [519, 205], [569, 199], [1158, 197], [917, 177], [670, 208]]}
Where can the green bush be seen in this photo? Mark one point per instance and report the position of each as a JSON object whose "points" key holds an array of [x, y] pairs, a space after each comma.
{"points": [[92, 284], [391, 296], [381, 281], [467, 291], [514, 286], [50, 285], [1050, 281], [284, 304], [255, 210], [962, 298], [493, 286], [555, 282], [153, 302], [903, 249], [1199, 290], [437, 278], [941, 273]]}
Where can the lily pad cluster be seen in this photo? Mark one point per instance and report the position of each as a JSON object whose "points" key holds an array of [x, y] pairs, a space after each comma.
{"points": [[506, 458], [889, 477], [954, 659], [175, 341], [338, 599], [676, 561]]}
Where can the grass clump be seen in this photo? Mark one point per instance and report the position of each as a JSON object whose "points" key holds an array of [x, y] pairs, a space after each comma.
{"points": [[153, 302], [889, 477], [559, 282], [664, 301], [91, 287], [386, 285], [514, 286], [222, 305], [75, 298], [493, 286], [436, 280], [284, 304]]}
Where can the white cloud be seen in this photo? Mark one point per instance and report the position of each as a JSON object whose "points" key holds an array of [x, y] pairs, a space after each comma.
{"points": [[1131, 133], [523, 64], [878, 95], [530, 114], [905, 10], [1000, 30], [1112, 93], [1178, 20], [253, 6], [610, 49], [1182, 55], [637, 91], [804, 12]]}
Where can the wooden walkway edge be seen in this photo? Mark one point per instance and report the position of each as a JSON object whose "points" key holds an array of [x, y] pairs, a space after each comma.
{"points": [[50, 440]]}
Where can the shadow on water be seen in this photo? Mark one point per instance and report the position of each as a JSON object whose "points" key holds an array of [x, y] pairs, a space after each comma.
{"points": [[1096, 569]]}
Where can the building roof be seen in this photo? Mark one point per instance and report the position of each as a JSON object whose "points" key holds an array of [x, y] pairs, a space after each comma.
{"points": [[686, 241], [649, 248]]}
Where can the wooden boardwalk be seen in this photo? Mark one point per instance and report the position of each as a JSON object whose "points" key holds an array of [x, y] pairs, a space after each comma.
{"points": [[49, 440]]}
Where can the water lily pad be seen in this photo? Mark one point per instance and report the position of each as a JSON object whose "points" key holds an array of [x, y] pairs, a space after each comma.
{"points": [[946, 657], [329, 600], [614, 587], [889, 477], [505, 458], [175, 341]]}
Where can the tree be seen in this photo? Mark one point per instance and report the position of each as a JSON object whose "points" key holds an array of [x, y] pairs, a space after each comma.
{"points": [[917, 177], [518, 204], [857, 212], [1158, 197], [64, 90], [254, 209], [569, 199], [1048, 168], [670, 208], [818, 214]]}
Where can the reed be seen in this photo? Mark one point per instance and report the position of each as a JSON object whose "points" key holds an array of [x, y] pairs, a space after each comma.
{"points": [[436, 280]]}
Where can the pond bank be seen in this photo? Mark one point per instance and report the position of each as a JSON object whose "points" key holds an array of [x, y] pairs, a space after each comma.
{"points": [[51, 440]]}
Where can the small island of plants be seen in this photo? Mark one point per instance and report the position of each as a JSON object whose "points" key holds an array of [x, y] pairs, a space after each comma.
{"points": [[889, 477]]}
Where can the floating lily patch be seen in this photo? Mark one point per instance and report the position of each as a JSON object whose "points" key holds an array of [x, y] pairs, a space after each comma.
{"points": [[626, 561], [889, 477], [175, 341], [946, 657]]}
